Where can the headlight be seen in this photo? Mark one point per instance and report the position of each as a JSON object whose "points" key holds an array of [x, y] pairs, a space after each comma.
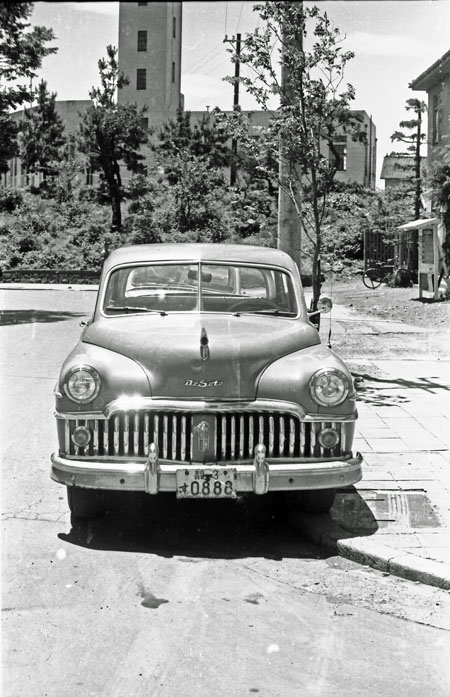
{"points": [[83, 384], [329, 387]]}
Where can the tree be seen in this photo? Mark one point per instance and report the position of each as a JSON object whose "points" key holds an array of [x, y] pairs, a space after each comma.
{"points": [[303, 129], [21, 54], [111, 133], [187, 193], [439, 181], [41, 134], [414, 141]]}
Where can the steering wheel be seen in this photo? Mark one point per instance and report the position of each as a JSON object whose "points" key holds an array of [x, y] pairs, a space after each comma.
{"points": [[249, 304]]}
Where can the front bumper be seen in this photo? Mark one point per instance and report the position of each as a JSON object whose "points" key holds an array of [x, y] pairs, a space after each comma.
{"points": [[259, 475]]}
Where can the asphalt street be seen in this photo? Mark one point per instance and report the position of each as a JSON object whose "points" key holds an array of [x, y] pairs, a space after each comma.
{"points": [[164, 599]]}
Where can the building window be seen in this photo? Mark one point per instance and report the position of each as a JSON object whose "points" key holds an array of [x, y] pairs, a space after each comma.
{"points": [[141, 79], [338, 156], [142, 4], [173, 71], [437, 119], [174, 27], [142, 40], [144, 123]]}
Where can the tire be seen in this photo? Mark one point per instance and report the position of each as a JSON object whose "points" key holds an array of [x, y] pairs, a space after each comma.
{"points": [[85, 503], [372, 278], [312, 500]]}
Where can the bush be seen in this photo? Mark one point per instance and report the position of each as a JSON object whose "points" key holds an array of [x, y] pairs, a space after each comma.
{"points": [[10, 199]]}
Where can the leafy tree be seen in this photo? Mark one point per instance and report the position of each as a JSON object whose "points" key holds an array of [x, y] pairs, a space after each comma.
{"points": [[301, 133], [439, 181], [41, 134], [112, 133], [21, 54], [191, 160], [414, 139]]}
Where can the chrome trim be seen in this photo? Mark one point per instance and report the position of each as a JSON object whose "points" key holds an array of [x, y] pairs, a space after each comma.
{"points": [[183, 438], [131, 475], [126, 434], [261, 430], [151, 404], [261, 471], [224, 437], [105, 433], [241, 437], [291, 436], [165, 435], [156, 430], [116, 434], [233, 435], [251, 432], [136, 434], [151, 472], [174, 437], [95, 438], [146, 433], [271, 435], [281, 436]]}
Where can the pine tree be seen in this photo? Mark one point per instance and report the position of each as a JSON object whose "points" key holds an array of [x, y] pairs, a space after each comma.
{"points": [[21, 54], [112, 133], [41, 134], [414, 139]]}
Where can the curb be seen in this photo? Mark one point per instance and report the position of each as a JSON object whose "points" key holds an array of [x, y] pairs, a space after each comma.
{"points": [[48, 286], [321, 530]]}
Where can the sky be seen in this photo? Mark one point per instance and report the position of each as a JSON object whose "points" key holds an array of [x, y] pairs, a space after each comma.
{"points": [[394, 41]]}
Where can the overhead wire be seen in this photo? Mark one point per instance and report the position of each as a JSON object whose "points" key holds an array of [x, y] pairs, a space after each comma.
{"points": [[197, 64]]}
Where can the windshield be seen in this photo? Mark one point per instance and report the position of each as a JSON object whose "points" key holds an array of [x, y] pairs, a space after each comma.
{"points": [[183, 287]]}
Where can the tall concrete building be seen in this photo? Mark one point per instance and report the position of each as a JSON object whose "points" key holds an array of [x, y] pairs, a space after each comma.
{"points": [[150, 56]]}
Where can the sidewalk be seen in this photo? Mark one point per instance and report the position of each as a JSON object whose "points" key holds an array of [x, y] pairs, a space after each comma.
{"points": [[398, 517]]}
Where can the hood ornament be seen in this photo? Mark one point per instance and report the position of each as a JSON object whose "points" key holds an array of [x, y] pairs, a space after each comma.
{"points": [[204, 345]]}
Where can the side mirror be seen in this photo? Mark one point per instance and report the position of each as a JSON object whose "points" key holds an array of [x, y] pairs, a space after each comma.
{"points": [[86, 323], [324, 305]]}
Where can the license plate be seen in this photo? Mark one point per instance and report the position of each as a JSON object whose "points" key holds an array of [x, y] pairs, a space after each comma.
{"points": [[211, 483]]}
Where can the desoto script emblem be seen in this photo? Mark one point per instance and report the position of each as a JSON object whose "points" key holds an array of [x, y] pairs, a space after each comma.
{"points": [[203, 383]]}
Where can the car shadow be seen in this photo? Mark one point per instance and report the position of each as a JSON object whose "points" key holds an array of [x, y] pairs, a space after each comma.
{"points": [[8, 317], [251, 526]]}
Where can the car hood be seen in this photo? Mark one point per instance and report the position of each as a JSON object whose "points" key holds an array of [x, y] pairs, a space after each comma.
{"points": [[236, 350]]}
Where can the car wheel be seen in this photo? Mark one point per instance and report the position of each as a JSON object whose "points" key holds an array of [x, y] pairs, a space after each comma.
{"points": [[313, 500], [85, 503]]}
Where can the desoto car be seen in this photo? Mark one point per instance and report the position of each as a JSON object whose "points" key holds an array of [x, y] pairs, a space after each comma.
{"points": [[201, 374]]}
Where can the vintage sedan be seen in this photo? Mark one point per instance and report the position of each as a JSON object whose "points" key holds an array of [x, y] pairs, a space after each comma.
{"points": [[201, 374]]}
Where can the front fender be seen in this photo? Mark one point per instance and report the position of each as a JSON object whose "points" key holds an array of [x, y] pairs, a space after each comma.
{"points": [[119, 376], [288, 379]]}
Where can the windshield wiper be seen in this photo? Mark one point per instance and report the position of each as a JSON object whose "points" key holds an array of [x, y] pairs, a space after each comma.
{"points": [[281, 313], [132, 308]]}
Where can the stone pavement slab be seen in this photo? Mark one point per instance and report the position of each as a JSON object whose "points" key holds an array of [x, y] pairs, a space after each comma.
{"points": [[398, 517]]}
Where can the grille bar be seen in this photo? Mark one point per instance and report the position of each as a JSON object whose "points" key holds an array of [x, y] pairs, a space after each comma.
{"points": [[236, 435]]}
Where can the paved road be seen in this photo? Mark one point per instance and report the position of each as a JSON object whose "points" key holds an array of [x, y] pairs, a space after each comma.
{"points": [[170, 600]]}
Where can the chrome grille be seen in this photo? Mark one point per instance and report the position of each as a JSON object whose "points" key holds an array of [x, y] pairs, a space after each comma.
{"points": [[129, 434]]}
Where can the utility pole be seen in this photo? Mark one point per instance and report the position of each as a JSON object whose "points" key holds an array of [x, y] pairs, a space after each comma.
{"points": [[289, 215], [237, 65]]}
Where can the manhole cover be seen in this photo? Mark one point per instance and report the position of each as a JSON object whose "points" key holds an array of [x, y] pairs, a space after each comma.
{"points": [[366, 511]]}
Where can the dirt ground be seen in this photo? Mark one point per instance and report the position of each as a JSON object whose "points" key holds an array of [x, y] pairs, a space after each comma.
{"points": [[398, 304]]}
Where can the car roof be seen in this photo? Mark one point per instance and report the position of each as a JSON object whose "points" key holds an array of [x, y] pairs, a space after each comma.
{"points": [[192, 252]]}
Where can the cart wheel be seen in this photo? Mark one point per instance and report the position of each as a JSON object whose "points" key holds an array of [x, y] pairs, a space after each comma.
{"points": [[372, 278]]}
